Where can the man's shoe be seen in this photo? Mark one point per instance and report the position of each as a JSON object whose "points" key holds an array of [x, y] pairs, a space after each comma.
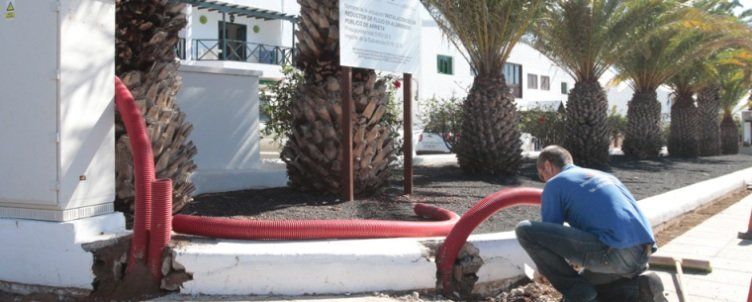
{"points": [[651, 288]]}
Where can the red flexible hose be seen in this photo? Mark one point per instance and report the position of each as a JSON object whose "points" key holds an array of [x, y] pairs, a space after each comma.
{"points": [[471, 219], [317, 229], [143, 166], [161, 224], [237, 229]]}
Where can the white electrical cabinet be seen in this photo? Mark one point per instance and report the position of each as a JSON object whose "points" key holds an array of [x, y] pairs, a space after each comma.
{"points": [[57, 63]]}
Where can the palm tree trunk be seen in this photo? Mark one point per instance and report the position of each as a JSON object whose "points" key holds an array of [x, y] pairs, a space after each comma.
{"points": [[147, 32], [587, 132], [709, 106], [729, 135], [683, 139], [643, 136], [312, 152], [490, 138]]}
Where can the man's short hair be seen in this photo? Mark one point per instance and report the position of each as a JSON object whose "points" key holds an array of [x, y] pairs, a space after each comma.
{"points": [[556, 155]]}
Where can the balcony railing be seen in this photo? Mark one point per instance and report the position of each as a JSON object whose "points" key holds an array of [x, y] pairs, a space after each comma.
{"points": [[242, 51]]}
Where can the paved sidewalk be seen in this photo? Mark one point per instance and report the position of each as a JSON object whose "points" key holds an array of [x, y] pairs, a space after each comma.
{"points": [[731, 259]]}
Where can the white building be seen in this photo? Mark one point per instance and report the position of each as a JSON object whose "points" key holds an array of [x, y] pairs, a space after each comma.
{"points": [[264, 41], [230, 46]]}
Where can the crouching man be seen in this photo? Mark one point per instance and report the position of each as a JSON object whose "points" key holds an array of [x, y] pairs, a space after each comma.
{"points": [[608, 237]]}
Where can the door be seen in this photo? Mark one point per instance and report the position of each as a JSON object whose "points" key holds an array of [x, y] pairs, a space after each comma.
{"points": [[233, 41]]}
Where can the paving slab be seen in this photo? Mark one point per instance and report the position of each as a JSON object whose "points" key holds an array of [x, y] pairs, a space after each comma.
{"points": [[731, 258]]}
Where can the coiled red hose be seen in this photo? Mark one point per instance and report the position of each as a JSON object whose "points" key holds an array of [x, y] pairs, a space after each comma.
{"points": [[143, 166], [161, 224], [318, 229], [471, 219]]}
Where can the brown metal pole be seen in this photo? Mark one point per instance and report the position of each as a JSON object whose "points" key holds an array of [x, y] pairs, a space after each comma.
{"points": [[408, 144], [348, 187]]}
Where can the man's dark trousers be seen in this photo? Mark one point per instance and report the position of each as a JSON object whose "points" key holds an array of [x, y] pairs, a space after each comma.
{"points": [[554, 247]]}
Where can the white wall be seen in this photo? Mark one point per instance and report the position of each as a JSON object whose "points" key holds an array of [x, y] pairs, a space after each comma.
{"points": [[533, 62], [270, 32], [222, 105], [434, 84]]}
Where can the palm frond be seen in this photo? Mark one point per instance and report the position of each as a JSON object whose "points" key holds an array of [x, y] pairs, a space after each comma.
{"points": [[735, 77], [586, 37], [485, 31]]}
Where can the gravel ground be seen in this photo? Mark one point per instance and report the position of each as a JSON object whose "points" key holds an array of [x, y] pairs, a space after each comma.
{"points": [[449, 188]]}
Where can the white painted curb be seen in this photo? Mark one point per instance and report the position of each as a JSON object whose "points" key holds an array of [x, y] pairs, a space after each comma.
{"points": [[664, 207], [51, 253], [222, 267]]}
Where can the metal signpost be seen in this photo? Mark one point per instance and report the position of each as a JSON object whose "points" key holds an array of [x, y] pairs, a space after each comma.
{"points": [[381, 35]]}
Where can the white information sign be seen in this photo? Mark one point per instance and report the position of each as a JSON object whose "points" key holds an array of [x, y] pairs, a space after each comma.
{"points": [[380, 34]]}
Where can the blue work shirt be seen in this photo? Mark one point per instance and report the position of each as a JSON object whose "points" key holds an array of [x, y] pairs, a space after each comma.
{"points": [[597, 203]]}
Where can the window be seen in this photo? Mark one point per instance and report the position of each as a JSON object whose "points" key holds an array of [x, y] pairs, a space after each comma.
{"points": [[444, 64], [532, 81], [545, 83], [513, 77], [564, 88]]}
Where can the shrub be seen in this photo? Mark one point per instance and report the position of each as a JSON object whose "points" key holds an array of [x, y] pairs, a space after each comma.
{"points": [[444, 116], [276, 103], [617, 125], [545, 123]]}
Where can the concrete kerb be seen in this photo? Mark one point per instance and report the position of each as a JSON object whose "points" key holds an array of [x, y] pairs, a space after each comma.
{"points": [[226, 267], [35, 255]]}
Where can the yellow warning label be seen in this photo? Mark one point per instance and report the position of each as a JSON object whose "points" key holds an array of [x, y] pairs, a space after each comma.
{"points": [[10, 11]]}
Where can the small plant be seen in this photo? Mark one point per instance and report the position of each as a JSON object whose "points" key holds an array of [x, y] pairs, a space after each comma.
{"points": [[276, 103], [392, 118], [545, 123], [617, 125], [443, 117]]}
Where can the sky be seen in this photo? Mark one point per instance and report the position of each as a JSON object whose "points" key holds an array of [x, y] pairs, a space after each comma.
{"points": [[747, 3]]}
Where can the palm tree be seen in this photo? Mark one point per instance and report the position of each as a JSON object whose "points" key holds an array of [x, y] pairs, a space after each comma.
{"points": [[312, 152], [486, 31], [735, 82], [713, 34], [708, 106], [681, 37], [669, 47], [586, 37], [147, 32], [684, 132], [708, 97]]}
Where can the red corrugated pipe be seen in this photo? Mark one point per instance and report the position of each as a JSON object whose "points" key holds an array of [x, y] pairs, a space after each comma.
{"points": [[318, 229], [161, 224], [238, 229], [471, 219], [143, 166]]}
